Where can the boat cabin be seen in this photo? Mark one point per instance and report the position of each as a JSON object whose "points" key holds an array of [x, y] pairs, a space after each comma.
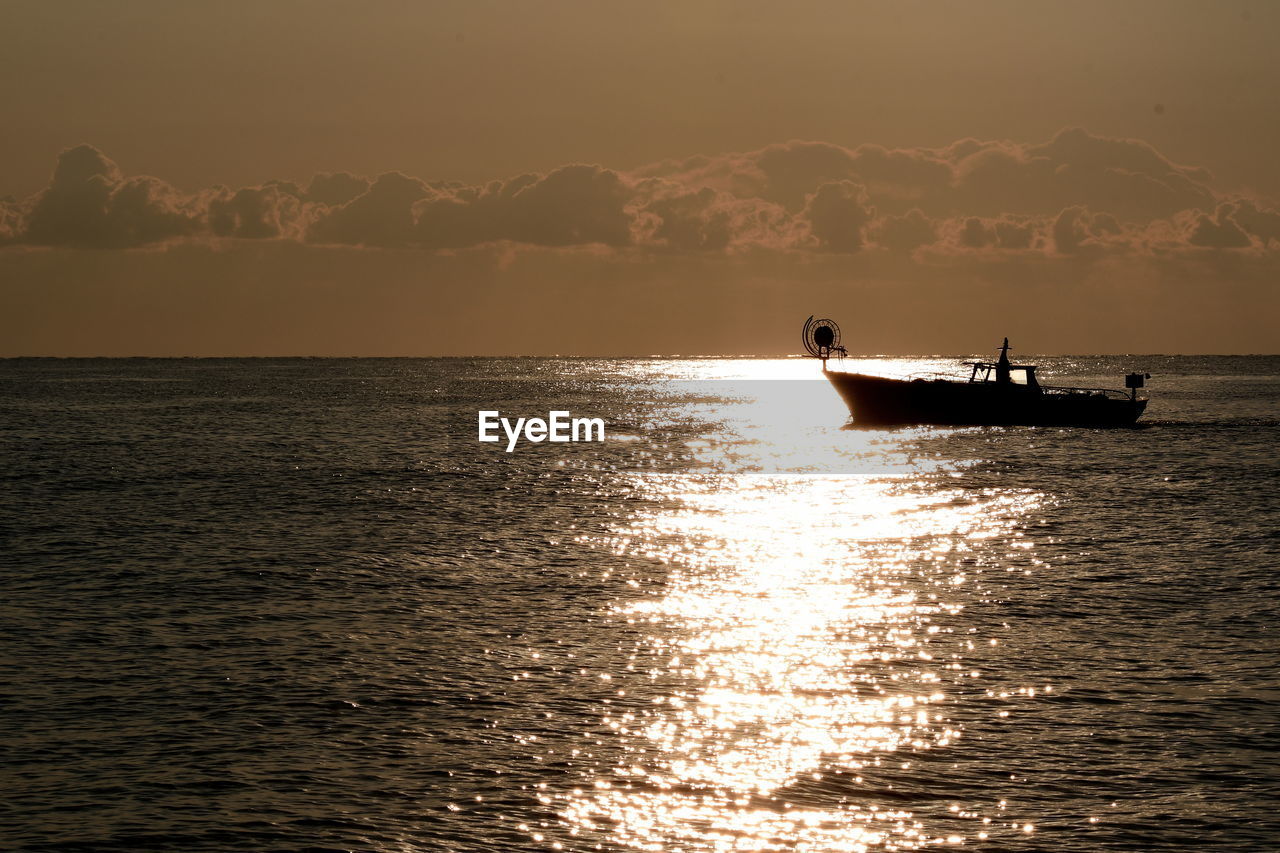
{"points": [[1003, 373]]}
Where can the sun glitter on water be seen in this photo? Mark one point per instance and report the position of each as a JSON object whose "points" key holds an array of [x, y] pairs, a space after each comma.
{"points": [[790, 651]]}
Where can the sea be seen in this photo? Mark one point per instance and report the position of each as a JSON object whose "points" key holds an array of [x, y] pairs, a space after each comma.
{"points": [[297, 605]]}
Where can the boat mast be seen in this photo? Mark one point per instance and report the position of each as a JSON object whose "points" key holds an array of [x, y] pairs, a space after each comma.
{"points": [[1002, 366]]}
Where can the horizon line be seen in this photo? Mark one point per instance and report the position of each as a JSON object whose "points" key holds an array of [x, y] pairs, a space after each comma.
{"points": [[649, 357]]}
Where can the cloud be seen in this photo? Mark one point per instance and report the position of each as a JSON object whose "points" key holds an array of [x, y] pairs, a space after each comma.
{"points": [[1219, 231], [1076, 230], [334, 188], [698, 220], [976, 234], [89, 203], [1239, 215], [380, 216], [902, 178], [668, 216], [979, 178], [10, 221], [906, 232], [1078, 194], [795, 171], [1012, 233], [254, 213], [572, 205], [1125, 177], [838, 213], [965, 235]]}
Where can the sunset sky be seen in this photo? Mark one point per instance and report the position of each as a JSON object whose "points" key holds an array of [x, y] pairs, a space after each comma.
{"points": [[377, 178]]}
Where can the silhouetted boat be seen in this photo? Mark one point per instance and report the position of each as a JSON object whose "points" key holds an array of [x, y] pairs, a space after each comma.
{"points": [[995, 394]]}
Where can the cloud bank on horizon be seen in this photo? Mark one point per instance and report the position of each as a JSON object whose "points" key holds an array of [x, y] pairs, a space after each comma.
{"points": [[1077, 195]]}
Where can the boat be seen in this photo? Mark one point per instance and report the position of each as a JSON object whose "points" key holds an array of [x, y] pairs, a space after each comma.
{"points": [[997, 393]]}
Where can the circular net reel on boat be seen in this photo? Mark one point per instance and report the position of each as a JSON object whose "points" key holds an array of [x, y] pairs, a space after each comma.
{"points": [[822, 338]]}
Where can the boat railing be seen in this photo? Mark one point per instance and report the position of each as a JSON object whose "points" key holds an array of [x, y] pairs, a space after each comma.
{"points": [[1061, 390], [1115, 393]]}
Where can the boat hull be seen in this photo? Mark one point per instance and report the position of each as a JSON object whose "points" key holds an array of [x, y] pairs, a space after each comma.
{"points": [[876, 400]]}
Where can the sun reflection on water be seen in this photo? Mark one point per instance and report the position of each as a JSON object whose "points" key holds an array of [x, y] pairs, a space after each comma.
{"points": [[795, 660], [796, 628]]}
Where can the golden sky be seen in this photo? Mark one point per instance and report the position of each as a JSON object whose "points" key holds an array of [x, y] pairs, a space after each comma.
{"points": [[385, 178]]}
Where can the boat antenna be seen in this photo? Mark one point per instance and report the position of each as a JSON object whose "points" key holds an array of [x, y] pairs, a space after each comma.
{"points": [[822, 339]]}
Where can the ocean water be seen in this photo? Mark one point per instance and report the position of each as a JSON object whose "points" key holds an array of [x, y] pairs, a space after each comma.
{"points": [[295, 605]]}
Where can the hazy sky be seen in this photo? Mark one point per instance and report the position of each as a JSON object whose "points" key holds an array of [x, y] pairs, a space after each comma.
{"points": [[938, 173]]}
